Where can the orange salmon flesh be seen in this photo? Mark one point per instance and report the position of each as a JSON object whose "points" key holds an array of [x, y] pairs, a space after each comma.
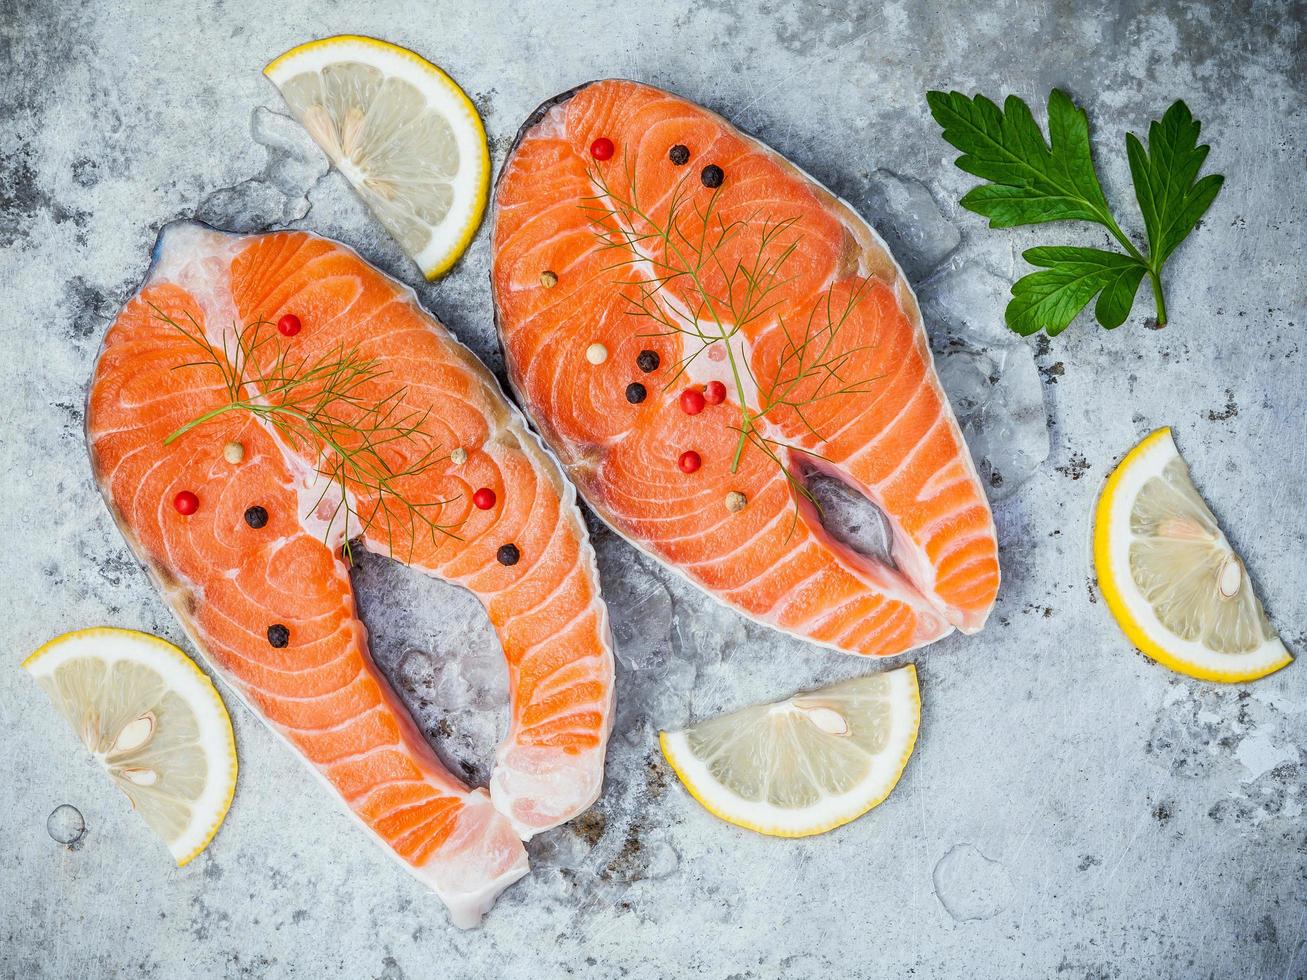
{"points": [[733, 266], [229, 582]]}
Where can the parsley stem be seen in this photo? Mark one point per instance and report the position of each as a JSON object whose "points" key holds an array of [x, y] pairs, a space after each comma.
{"points": [[1158, 296], [1154, 278], [1109, 222]]}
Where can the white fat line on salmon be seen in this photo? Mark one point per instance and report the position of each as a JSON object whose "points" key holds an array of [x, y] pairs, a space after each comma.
{"points": [[199, 259], [701, 368]]}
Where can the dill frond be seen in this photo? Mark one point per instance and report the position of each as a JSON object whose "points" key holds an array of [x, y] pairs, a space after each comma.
{"points": [[326, 406], [691, 290]]}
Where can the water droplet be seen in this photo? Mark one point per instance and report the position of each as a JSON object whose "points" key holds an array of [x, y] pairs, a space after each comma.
{"points": [[66, 825], [969, 885], [661, 860]]}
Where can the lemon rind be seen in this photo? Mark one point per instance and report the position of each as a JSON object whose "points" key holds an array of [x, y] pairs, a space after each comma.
{"points": [[42, 656], [670, 743], [432, 267], [1160, 440]]}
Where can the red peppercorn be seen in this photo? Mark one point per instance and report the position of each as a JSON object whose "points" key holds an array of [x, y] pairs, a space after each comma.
{"points": [[714, 392], [692, 401], [186, 503], [484, 498], [289, 325], [602, 148], [689, 461]]}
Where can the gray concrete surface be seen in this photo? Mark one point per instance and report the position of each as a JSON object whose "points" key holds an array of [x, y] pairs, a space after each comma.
{"points": [[1073, 809]]}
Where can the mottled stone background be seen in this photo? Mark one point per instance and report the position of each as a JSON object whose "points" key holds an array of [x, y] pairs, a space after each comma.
{"points": [[1072, 810]]}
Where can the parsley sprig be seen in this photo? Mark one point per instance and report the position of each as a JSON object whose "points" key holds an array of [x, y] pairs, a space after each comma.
{"points": [[1032, 181]]}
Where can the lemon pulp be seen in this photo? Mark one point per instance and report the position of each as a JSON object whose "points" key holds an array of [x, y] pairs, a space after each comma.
{"points": [[804, 765]]}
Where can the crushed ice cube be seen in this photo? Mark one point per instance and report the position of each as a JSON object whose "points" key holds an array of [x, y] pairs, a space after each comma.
{"points": [[989, 373], [667, 704], [250, 206], [706, 631], [279, 194], [433, 640], [903, 210], [295, 162], [639, 606]]}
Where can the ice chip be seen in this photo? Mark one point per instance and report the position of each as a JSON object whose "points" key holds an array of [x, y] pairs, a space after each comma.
{"points": [[561, 847], [640, 610], [667, 703], [485, 678], [278, 195], [250, 206], [903, 210], [417, 671], [295, 162], [704, 630]]}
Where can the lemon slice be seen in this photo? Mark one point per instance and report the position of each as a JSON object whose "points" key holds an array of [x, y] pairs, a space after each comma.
{"points": [[804, 765], [154, 721], [1170, 577], [402, 132]]}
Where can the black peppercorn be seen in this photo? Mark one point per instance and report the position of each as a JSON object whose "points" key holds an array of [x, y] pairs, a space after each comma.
{"points": [[712, 176], [278, 635], [635, 393], [256, 517], [647, 361], [507, 554], [679, 154]]}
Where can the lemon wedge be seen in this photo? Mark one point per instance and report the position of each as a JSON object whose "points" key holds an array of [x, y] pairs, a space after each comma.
{"points": [[403, 133], [154, 721], [804, 765], [1170, 577]]}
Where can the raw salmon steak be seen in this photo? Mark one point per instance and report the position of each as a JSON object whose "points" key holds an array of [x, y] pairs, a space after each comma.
{"points": [[697, 327], [257, 573]]}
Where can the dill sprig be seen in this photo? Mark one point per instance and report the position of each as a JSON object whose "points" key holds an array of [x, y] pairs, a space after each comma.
{"points": [[324, 405], [683, 285]]}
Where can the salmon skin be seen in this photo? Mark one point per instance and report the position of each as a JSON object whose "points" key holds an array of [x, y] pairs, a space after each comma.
{"points": [[643, 247], [267, 598]]}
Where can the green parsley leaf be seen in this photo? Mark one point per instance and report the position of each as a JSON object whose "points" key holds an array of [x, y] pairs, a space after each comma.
{"points": [[1164, 177], [1051, 299], [1032, 181]]}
